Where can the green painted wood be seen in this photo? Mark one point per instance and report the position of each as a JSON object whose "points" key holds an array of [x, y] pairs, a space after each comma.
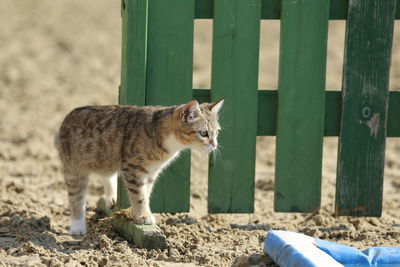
{"points": [[369, 34], [102, 209], [203, 9], [267, 109], [271, 9], [393, 129], [234, 77], [169, 82], [397, 15], [143, 236], [202, 95], [133, 67], [333, 109], [267, 112], [301, 90], [338, 9]]}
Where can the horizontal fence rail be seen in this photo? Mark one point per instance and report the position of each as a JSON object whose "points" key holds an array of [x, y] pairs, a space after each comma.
{"points": [[271, 9], [268, 104]]}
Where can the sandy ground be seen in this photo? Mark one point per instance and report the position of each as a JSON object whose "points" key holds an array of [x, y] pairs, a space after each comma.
{"points": [[56, 55]]}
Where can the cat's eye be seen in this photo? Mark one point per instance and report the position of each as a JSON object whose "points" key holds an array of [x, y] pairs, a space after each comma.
{"points": [[204, 133]]}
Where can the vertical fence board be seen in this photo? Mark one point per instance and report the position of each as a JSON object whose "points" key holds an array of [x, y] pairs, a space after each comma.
{"points": [[235, 78], [301, 97], [169, 82], [133, 67], [369, 33]]}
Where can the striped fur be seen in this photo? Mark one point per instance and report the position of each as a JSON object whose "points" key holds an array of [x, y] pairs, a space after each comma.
{"points": [[137, 142]]}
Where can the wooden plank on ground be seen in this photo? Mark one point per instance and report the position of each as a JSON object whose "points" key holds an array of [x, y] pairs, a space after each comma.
{"points": [[235, 78], [169, 82], [369, 35], [301, 97], [143, 236]]}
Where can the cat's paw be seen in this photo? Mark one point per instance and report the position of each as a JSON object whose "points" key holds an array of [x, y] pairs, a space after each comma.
{"points": [[144, 219], [109, 201], [78, 227]]}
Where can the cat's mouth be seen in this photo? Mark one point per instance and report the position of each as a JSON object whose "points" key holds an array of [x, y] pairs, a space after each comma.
{"points": [[210, 148], [205, 148]]}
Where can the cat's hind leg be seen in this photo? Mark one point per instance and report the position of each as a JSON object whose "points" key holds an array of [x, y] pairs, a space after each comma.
{"points": [[77, 188], [110, 184]]}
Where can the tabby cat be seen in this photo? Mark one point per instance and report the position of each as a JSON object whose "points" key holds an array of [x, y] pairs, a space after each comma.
{"points": [[136, 142]]}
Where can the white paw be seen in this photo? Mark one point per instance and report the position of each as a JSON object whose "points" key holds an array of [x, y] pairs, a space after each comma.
{"points": [[110, 201], [144, 219], [78, 227]]}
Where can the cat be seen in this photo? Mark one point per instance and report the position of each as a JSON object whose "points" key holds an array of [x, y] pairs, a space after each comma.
{"points": [[135, 141]]}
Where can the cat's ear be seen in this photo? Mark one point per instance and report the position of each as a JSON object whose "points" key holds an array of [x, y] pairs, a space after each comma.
{"points": [[216, 106], [191, 111]]}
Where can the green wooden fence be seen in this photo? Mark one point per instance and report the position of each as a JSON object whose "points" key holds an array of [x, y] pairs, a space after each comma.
{"points": [[157, 68]]}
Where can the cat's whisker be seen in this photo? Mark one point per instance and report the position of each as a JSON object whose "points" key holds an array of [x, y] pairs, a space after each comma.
{"points": [[219, 152], [211, 158], [207, 148], [215, 159], [222, 124], [215, 155], [187, 162], [221, 113], [219, 149], [218, 155]]}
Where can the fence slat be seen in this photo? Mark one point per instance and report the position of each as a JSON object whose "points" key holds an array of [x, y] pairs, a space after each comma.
{"points": [[169, 82], [133, 67], [301, 97], [369, 36], [235, 78]]}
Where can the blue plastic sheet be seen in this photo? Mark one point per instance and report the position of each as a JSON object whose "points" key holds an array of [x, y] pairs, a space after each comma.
{"points": [[350, 256], [290, 249]]}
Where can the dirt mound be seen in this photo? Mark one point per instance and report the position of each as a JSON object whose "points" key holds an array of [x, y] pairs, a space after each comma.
{"points": [[57, 55]]}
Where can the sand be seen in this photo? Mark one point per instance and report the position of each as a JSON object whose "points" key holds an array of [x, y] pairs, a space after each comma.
{"points": [[56, 55]]}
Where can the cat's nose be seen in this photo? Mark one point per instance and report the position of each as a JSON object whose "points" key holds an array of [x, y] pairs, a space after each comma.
{"points": [[214, 143]]}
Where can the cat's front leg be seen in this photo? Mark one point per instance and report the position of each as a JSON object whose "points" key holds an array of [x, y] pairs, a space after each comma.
{"points": [[136, 183], [149, 184]]}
